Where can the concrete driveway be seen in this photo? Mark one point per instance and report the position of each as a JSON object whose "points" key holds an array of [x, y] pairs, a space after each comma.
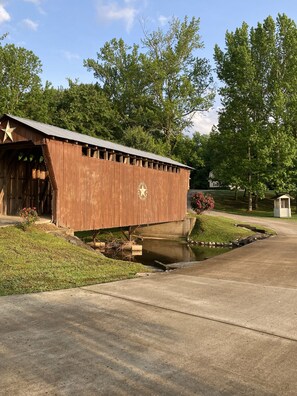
{"points": [[7, 221], [227, 326]]}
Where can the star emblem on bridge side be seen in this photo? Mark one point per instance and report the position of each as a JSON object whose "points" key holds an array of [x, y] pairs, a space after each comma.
{"points": [[142, 191], [7, 132]]}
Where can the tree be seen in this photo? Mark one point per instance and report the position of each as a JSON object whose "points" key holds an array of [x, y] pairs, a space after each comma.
{"points": [[179, 82], [255, 131], [118, 68], [19, 76], [84, 108], [138, 138], [161, 88], [41, 104], [193, 151]]}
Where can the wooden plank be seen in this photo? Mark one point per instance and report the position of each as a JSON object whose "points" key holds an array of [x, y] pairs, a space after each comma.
{"points": [[93, 193]]}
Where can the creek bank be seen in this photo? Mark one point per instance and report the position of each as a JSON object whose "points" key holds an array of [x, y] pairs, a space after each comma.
{"points": [[259, 234], [168, 254]]}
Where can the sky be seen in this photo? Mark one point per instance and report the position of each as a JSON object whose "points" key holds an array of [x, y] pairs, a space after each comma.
{"points": [[62, 33]]}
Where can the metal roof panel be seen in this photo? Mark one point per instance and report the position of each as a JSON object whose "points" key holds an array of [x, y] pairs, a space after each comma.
{"points": [[53, 131]]}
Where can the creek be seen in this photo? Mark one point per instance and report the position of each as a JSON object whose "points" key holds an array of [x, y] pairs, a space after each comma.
{"points": [[166, 252]]}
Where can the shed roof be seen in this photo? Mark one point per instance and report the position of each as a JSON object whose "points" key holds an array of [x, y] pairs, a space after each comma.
{"points": [[53, 131], [279, 196]]}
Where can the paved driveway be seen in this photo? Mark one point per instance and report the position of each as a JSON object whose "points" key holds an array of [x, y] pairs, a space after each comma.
{"points": [[9, 220], [6, 221], [227, 326]]}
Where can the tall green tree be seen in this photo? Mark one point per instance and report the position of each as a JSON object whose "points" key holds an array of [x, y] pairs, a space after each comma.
{"points": [[20, 71], [258, 72], [118, 69], [178, 81], [161, 88]]}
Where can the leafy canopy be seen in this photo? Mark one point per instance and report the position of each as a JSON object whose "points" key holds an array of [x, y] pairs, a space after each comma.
{"points": [[161, 88], [254, 146]]}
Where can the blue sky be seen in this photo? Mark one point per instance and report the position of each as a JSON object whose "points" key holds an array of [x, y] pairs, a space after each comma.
{"points": [[62, 33]]}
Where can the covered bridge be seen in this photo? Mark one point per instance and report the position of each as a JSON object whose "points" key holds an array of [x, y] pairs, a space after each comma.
{"points": [[86, 183]]}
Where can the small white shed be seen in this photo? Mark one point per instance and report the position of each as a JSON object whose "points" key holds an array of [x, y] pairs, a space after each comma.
{"points": [[282, 205]]}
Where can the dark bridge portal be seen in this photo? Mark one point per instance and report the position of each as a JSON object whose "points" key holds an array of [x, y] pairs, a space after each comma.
{"points": [[24, 180]]}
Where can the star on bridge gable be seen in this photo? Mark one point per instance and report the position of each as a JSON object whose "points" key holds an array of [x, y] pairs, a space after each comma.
{"points": [[7, 132]]}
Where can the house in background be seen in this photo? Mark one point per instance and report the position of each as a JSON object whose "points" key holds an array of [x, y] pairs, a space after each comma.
{"points": [[212, 183], [86, 183]]}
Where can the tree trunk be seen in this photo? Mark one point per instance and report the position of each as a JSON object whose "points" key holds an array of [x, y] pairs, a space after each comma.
{"points": [[250, 197], [256, 199], [250, 201], [236, 193]]}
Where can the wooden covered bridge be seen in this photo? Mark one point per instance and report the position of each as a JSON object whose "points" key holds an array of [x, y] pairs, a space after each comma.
{"points": [[86, 183]]}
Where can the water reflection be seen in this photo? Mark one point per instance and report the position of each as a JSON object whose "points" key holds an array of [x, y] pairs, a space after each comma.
{"points": [[167, 252]]}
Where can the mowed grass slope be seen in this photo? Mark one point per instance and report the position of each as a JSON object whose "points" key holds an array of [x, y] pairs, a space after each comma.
{"points": [[217, 229], [34, 261]]}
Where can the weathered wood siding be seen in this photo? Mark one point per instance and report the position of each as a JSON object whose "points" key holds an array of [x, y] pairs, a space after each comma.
{"points": [[22, 134], [94, 193], [2, 187]]}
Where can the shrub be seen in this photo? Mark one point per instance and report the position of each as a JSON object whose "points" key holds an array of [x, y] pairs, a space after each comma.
{"points": [[29, 216], [201, 202]]}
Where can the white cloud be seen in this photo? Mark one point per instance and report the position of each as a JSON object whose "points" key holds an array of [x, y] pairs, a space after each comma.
{"points": [[30, 24], [163, 20], [4, 15], [112, 11], [203, 122], [70, 55]]}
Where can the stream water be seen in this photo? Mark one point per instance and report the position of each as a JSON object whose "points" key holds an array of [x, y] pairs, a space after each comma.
{"points": [[166, 252]]}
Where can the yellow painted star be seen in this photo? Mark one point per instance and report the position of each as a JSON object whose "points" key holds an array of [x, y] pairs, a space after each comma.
{"points": [[142, 191], [8, 132]]}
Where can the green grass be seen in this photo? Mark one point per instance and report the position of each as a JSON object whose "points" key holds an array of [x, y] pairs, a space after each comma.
{"points": [[217, 229], [225, 202], [103, 235], [34, 261]]}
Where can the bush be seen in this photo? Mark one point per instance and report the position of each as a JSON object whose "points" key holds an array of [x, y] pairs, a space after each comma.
{"points": [[201, 202], [29, 216]]}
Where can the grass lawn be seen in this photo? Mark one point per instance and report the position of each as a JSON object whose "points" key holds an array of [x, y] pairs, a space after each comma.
{"points": [[34, 261], [225, 202], [217, 229]]}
